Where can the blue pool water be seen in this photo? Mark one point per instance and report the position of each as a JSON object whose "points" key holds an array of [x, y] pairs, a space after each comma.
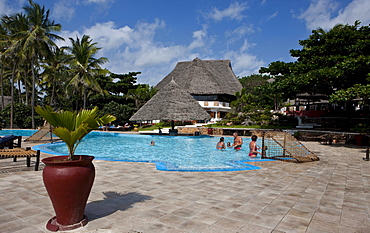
{"points": [[17, 132], [170, 153]]}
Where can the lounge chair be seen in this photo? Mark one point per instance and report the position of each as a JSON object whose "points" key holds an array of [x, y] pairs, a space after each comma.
{"points": [[44, 131], [19, 152], [8, 141]]}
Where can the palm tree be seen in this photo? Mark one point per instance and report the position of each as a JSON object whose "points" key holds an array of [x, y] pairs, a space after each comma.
{"points": [[12, 25], [141, 94], [31, 40], [85, 67], [38, 41], [54, 75], [2, 64]]}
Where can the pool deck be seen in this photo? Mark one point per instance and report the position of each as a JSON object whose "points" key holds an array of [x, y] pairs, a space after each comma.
{"points": [[330, 195]]}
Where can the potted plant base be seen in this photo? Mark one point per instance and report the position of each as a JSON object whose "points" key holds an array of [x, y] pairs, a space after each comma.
{"points": [[68, 184], [69, 179]]}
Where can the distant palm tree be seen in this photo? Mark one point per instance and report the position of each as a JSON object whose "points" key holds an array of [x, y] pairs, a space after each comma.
{"points": [[38, 41], [55, 74], [85, 68], [31, 41], [141, 94], [2, 64], [11, 60]]}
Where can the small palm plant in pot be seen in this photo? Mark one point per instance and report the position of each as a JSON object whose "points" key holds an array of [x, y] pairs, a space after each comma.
{"points": [[69, 179]]}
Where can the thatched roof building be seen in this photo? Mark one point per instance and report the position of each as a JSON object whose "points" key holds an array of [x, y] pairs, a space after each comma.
{"points": [[171, 103], [204, 77]]}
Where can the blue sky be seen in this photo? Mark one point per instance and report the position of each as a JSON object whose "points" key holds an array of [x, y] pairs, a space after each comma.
{"points": [[151, 36]]}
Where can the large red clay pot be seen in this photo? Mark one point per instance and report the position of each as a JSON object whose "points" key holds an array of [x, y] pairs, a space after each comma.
{"points": [[68, 184], [359, 139]]}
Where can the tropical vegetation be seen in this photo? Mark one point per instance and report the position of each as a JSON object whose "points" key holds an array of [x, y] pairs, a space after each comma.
{"points": [[333, 63], [35, 71]]}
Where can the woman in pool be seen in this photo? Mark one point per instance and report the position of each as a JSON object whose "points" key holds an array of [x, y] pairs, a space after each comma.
{"points": [[253, 147], [221, 144]]}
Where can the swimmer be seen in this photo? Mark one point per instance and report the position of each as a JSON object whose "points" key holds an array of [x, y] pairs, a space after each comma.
{"points": [[221, 144], [238, 141], [253, 147]]}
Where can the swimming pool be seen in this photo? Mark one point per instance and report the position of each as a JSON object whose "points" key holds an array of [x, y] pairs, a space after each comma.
{"points": [[170, 153], [17, 132]]}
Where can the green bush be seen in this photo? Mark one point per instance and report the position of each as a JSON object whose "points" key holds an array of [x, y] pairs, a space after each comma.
{"points": [[177, 123], [120, 111], [361, 128], [22, 117]]}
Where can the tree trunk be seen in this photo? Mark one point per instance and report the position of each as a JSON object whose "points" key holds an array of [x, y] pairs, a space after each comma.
{"points": [[25, 88], [12, 97], [2, 89], [52, 94], [85, 97], [33, 94], [19, 91]]}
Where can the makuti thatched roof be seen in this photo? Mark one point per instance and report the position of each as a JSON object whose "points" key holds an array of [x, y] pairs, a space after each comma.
{"points": [[171, 103], [206, 77]]}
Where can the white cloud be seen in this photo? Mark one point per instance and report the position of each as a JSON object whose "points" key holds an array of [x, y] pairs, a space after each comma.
{"points": [[234, 11], [244, 63], [7, 8], [240, 31], [63, 10], [325, 13], [135, 49], [99, 1], [199, 38], [273, 15]]}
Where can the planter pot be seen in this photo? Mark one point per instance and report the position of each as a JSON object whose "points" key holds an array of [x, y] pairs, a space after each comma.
{"points": [[136, 129], [68, 184], [359, 139]]}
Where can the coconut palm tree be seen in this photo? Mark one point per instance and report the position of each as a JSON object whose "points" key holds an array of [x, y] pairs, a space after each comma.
{"points": [[141, 94], [32, 39], [54, 76], [2, 64], [85, 67], [11, 26], [38, 41]]}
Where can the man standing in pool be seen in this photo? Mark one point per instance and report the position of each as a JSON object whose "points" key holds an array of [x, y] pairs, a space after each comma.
{"points": [[238, 141]]}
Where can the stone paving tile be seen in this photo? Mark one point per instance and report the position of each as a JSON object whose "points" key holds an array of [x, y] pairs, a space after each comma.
{"points": [[229, 224], [248, 228], [331, 195], [292, 223], [193, 225]]}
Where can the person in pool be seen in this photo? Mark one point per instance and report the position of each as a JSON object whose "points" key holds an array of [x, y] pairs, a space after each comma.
{"points": [[253, 147], [152, 143], [238, 141], [221, 144], [229, 144]]}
